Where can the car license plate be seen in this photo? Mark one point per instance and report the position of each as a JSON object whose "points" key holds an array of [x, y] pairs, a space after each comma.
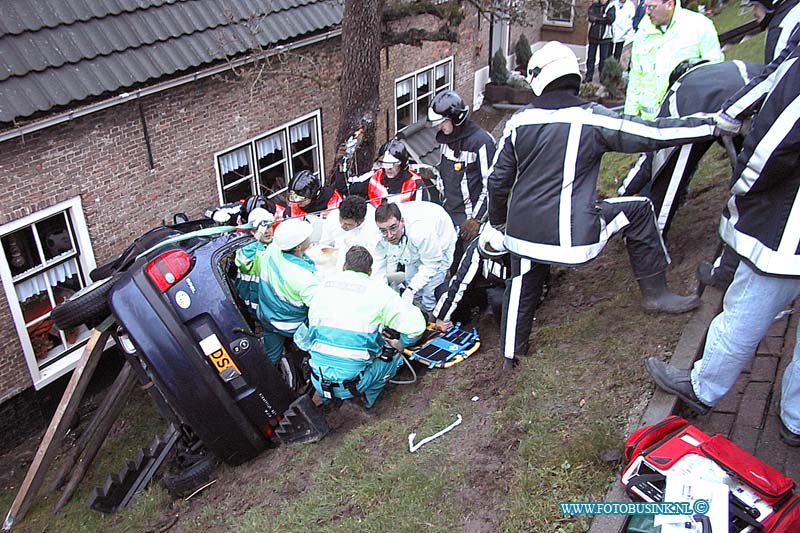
{"points": [[217, 354]]}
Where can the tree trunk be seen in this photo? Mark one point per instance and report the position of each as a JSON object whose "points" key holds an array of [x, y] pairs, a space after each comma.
{"points": [[360, 80]]}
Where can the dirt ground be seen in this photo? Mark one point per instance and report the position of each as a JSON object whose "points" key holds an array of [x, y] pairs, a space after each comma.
{"points": [[486, 451]]}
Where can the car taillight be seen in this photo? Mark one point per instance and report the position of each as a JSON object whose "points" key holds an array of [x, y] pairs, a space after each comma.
{"points": [[168, 268]]}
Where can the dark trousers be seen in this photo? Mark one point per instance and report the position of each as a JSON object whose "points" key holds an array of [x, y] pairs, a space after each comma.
{"points": [[520, 300], [672, 169], [605, 50], [646, 249], [618, 50]]}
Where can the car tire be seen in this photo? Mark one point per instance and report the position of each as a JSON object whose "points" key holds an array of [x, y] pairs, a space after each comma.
{"points": [[87, 306], [183, 483], [288, 372]]}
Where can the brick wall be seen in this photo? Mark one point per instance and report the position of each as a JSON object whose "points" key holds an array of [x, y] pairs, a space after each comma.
{"points": [[103, 157]]}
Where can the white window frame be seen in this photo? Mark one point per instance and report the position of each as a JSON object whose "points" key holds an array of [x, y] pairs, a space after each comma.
{"points": [[86, 260], [563, 23], [415, 97], [250, 144]]}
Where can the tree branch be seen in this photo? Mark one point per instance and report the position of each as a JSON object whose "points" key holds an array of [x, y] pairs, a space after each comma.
{"points": [[415, 37], [404, 10]]}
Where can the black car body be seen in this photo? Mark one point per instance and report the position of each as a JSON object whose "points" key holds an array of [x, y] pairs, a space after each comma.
{"points": [[179, 308]]}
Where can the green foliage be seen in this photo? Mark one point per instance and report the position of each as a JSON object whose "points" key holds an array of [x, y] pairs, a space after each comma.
{"points": [[498, 72], [589, 90], [522, 50], [612, 79], [518, 83]]}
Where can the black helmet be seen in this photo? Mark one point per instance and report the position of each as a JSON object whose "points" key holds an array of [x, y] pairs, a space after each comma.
{"points": [[447, 104], [304, 184], [393, 152], [251, 203], [683, 67]]}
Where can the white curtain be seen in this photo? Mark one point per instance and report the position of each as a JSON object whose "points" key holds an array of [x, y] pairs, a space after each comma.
{"points": [[403, 88], [52, 277], [299, 132], [422, 79], [233, 161], [269, 145]]}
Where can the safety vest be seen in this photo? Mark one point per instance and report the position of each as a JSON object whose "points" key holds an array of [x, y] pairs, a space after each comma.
{"points": [[296, 211], [377, 191]]}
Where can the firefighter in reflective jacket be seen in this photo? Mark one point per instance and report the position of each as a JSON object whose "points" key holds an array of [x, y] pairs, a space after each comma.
{"points": [[306, 195], [550, 157], [393, 180], [467, 153], [346, 316]]}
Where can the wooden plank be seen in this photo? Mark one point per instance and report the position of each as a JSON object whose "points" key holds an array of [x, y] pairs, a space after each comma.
{"points": [[118, 394], [66, 410], [100, 414]]}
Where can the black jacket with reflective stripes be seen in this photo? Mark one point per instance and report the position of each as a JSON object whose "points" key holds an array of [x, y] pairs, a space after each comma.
{"points": [[466, 157], [544, 176], [761, 220]]}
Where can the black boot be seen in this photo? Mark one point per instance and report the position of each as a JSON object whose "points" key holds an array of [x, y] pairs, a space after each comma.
{"points": [[657, 298], [675, 381]]}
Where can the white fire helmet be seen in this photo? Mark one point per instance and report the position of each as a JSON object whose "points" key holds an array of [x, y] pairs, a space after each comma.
{"points": [[259, 215], [550, 62], [290, 233]]}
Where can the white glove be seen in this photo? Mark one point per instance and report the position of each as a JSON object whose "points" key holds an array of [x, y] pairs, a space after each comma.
{"points": [[220, 216], [727, 125], [408, 296], [492, 237]]}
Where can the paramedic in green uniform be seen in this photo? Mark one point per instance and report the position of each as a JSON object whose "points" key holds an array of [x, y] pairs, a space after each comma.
{"points": [[346, 318]]}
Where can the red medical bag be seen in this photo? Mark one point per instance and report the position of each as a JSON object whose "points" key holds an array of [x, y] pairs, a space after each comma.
{"points": [[760, 497]]}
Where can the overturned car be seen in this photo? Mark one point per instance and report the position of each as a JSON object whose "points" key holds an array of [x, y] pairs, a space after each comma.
{"points": [[184, 329]]}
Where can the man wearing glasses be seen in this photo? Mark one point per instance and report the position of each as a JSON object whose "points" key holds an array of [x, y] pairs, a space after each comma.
{"points": [[420, 236], [666, 36]]}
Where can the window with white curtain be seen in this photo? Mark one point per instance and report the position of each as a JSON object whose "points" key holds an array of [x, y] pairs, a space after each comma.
{"points": [[44, 259], [414, 92], [560, 12], [264, 164]]}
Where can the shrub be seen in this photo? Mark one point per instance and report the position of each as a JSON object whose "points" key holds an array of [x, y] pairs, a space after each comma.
{"points": [[523, 53], [498, 72], [612, 79], [589, 90]]}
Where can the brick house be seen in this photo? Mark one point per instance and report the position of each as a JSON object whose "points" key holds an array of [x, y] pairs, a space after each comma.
{"points": [[115, 114]]}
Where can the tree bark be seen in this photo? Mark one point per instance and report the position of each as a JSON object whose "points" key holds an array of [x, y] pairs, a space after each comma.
{"points": [[360, 80]]}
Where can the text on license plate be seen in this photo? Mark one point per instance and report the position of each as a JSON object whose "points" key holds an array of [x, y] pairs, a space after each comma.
{"points": [[217, 354]]}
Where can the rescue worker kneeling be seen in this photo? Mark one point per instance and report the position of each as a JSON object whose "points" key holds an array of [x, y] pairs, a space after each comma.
{"points": [[346, 317]]}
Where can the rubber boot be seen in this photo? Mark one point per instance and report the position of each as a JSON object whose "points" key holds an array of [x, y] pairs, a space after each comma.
{"points": [[657, 298]]}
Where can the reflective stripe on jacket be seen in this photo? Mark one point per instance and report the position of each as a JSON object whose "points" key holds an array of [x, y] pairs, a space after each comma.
{"points": [[347, 315], [286, 285], [544, 177]]}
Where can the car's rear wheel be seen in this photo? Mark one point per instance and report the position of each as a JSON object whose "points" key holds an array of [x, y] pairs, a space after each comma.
{"points": [[87, 306], [184, 482], [288, 372]]}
